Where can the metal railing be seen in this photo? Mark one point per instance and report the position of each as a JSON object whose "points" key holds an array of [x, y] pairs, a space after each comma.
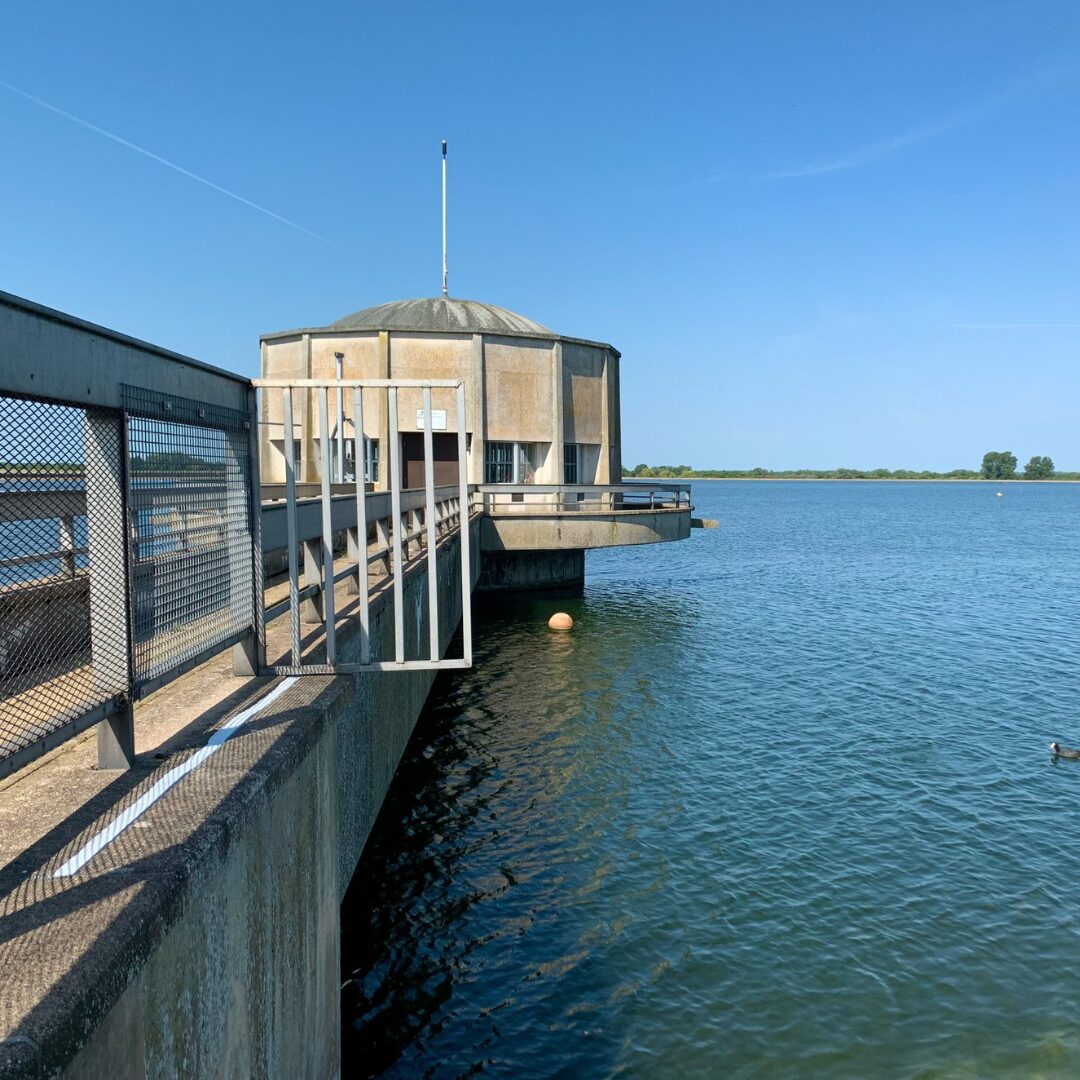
{"points": [[133, 539], [131, 546], [404, 523], [128, 526], [546, 499]]}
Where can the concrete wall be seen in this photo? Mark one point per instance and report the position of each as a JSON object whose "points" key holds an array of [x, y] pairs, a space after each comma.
{"points": [[521, 570], [229, 963]]}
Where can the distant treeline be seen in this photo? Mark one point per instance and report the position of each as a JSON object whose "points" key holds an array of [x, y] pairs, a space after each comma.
{"points": [[678, 472]]}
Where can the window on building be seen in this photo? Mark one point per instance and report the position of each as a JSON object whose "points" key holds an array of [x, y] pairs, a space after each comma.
{"points": [[571, 463], [499, 462], [508, 463], [371, 460], [526, 470]]}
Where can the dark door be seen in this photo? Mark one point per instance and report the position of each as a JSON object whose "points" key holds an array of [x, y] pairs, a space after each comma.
{"points": [[444, 452]]}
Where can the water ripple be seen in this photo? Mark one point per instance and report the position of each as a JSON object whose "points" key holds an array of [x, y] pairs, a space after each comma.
{"points": [[780, 806]]}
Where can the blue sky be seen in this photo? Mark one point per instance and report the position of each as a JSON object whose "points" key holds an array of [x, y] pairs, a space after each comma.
{"points": [[821, 234]]}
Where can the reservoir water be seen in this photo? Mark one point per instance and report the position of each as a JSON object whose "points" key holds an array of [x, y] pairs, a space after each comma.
{"points": [[781, 805]]}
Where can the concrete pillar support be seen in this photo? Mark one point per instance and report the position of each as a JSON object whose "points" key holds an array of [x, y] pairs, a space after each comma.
{"points": [[311, 609], [382, 538], [354, 583], [603, 466], [559, 434], [106, 518], [477, 413]]}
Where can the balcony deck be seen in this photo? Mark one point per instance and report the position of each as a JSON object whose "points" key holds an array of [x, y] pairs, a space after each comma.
{"points": [[565, 517]]}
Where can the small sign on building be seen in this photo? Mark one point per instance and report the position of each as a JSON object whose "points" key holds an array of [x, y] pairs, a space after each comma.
{"points": [[438, 419]]}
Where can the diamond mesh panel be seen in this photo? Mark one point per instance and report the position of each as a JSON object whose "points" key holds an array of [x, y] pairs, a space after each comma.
{"points": [[63, 644], [190, 510]]}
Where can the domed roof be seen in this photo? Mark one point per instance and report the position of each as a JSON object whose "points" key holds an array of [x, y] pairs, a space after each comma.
{"points": [[442, 313]]}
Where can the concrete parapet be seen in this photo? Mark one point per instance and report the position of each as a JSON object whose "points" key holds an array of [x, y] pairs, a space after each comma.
{"points": [[570, 530]]}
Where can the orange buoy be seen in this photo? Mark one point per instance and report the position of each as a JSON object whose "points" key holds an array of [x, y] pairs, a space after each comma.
{"points": [[560, 621]]}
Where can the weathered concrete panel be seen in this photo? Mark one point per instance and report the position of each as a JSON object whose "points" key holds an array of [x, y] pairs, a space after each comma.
{"points": [[583, 370], [504, 571], [246, 982], [419, 356], [518, 391]]}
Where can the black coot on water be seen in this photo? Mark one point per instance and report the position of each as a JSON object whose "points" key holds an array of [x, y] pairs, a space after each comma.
{"points": [[1065, 752]]}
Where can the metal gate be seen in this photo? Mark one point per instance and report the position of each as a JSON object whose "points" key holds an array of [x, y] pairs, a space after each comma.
{"points": [[314, 455]]}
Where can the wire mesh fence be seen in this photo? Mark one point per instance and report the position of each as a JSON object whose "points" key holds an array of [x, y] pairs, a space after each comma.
{"points": [[63, 648], [127, 552], [192, 573]]}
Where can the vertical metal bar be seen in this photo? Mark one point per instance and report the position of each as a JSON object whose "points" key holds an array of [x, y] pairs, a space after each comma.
{"points": [[290, 523], [432, 538], [327, 528], [340, 358], [395, 524], [67, 542], [464, 525], [361, 524], [258, 567]]}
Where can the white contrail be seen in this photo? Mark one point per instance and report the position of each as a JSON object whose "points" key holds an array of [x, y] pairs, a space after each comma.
{"points": [[158, 158], [1038, 83]]}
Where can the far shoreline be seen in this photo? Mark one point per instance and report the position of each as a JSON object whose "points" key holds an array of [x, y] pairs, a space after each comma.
{"points": [[845, 480]]}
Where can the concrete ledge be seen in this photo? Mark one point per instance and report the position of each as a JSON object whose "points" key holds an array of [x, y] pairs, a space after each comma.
{"points": [[570, 530]]}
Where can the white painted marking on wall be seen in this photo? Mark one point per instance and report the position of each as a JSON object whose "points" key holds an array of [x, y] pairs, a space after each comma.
{"points": [[139, 807]]}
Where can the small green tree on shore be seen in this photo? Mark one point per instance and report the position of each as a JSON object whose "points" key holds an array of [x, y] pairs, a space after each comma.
{"points": [[1039, 468], [999, 465]]}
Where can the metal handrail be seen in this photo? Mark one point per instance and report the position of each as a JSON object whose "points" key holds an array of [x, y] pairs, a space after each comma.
{"points": [[579, 498], [401, 520]]}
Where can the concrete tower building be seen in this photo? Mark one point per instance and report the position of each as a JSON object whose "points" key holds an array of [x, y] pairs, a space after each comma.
{"points": [[541, 407]]}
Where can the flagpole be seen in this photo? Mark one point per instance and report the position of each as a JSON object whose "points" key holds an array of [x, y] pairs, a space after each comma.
{"points": [[444, 290]]}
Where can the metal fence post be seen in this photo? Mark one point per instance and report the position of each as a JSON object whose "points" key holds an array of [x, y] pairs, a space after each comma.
{"points": [[246, 562], [464, 525], [107, 543], [432, 535], [67, 545]]}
